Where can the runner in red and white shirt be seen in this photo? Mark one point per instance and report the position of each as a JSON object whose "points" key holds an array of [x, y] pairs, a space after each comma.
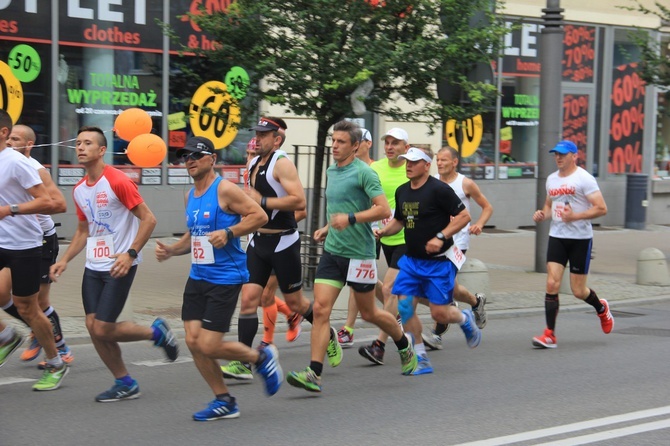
{"points": [[114, 225], [573, 200]]}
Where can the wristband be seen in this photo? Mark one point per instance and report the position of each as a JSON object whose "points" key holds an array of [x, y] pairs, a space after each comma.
{"points": [[352, 218], [229, 234], [264, 202]]}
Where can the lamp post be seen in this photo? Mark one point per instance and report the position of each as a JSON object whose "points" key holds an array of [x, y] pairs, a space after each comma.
{"points": [[551, 103]]}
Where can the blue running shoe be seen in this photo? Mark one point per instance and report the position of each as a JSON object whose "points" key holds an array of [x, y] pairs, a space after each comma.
{"points": [[270, 370], [472, 334], [218, 410], [423, 367], [166, 340], [118, 392]]}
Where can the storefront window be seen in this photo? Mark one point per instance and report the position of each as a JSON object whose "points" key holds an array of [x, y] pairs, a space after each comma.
{"points": [[627, 108], [25, 70], [662, 158]]}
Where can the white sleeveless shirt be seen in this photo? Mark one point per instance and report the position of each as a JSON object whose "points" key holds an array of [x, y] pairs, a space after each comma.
{"points": [[462, 238]]}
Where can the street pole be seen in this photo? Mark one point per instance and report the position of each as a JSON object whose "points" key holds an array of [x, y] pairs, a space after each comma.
{"points": [[551, 105]]}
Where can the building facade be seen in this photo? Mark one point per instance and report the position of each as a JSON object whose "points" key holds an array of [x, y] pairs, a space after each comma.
{"points": [[64, 64]]}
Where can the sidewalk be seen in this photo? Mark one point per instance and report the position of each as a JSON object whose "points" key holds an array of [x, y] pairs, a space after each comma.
{"points": [[509, 256]]}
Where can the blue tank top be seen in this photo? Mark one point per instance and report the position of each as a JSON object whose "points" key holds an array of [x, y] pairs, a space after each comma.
{"points": [[203, 215]]}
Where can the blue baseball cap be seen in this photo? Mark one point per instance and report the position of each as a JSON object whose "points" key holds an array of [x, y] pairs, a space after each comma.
{"points": [[564, 147]]}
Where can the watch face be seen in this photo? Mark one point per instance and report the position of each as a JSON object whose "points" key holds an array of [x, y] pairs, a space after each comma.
{"points": [[132, 253]]}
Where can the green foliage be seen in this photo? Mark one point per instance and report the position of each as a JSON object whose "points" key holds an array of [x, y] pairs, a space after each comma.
{"points": [[654, 66], [312, 54]]}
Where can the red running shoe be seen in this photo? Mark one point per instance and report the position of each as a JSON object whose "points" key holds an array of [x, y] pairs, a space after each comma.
{"points": [[547, 340], [606, 319]]}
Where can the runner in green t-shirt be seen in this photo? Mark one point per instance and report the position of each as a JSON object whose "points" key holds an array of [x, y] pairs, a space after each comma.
{"points": [[354, 199]]}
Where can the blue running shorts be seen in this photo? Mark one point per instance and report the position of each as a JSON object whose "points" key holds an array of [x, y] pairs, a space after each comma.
{"points": [[432, 279]]}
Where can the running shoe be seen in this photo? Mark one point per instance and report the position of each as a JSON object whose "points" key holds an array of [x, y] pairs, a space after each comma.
{"points": [[306, 379], [373, 352], [270, 370], [118, 392], [7, 349], [423, 366], [65, 354], [167, 340], [606, 319], [334, 351], [345, 338], [218, 410], [294, 328], [432, 340], [480, 310], [32, 351], [408, 358], [237, 370], [472, 334], [546, 340], [52, 378]]}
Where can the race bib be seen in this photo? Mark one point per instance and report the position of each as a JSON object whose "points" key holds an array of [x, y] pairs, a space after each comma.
{"points": [[362, 271], [557, 208], [386, 220], [202, 251], [98, 249], [456, 256]]}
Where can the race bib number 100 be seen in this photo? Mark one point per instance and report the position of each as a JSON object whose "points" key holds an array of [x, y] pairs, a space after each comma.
{"points": [[98, 249], [362, 271]]}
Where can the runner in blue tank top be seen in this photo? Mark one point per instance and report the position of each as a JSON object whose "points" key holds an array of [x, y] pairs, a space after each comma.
{"points": [[214, 212]]}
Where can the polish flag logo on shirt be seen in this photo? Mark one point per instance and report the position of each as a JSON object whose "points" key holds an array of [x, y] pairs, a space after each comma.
{"points": [[206, 214]]}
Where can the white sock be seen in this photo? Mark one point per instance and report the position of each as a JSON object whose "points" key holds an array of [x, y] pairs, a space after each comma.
{"points": [[420, 349], [6, 335], [463, 319], [56, 362]]}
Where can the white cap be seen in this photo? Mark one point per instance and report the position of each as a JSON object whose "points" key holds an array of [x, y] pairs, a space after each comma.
{"points": [[397, 133], [366, 135], [414, 154]]}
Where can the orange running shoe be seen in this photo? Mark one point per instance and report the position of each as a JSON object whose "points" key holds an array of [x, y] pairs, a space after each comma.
{"points": [[294, 328], [606, 319], [32, 351]]}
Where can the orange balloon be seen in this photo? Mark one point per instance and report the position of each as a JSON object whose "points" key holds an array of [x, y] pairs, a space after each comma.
{"points": [[146, 150], [131, 123]]}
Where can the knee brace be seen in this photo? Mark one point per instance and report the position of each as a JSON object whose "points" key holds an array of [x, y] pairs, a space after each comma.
{"points": [[406, 308]]}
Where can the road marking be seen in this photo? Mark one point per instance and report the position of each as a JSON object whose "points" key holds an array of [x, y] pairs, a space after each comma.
{"points": [[159, 362], [573, 427], [614, 433], [13, 380]]}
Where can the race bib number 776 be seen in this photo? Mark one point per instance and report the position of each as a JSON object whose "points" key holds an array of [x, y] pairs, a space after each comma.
{"points": [[362, 271]]}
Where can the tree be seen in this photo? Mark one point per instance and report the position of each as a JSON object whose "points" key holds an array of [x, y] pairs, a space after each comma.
{"points": [[654, 66], [311, 55]]}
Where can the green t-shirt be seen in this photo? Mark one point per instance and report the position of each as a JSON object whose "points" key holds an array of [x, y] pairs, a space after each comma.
{"points": [[391, 178], [351, 189]]}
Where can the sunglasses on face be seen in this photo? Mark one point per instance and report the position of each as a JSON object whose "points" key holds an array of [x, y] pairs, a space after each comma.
{"points": [[194, 156]]}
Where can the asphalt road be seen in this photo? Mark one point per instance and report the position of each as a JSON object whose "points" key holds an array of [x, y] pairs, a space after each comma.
{"points": [[594, 388]]}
